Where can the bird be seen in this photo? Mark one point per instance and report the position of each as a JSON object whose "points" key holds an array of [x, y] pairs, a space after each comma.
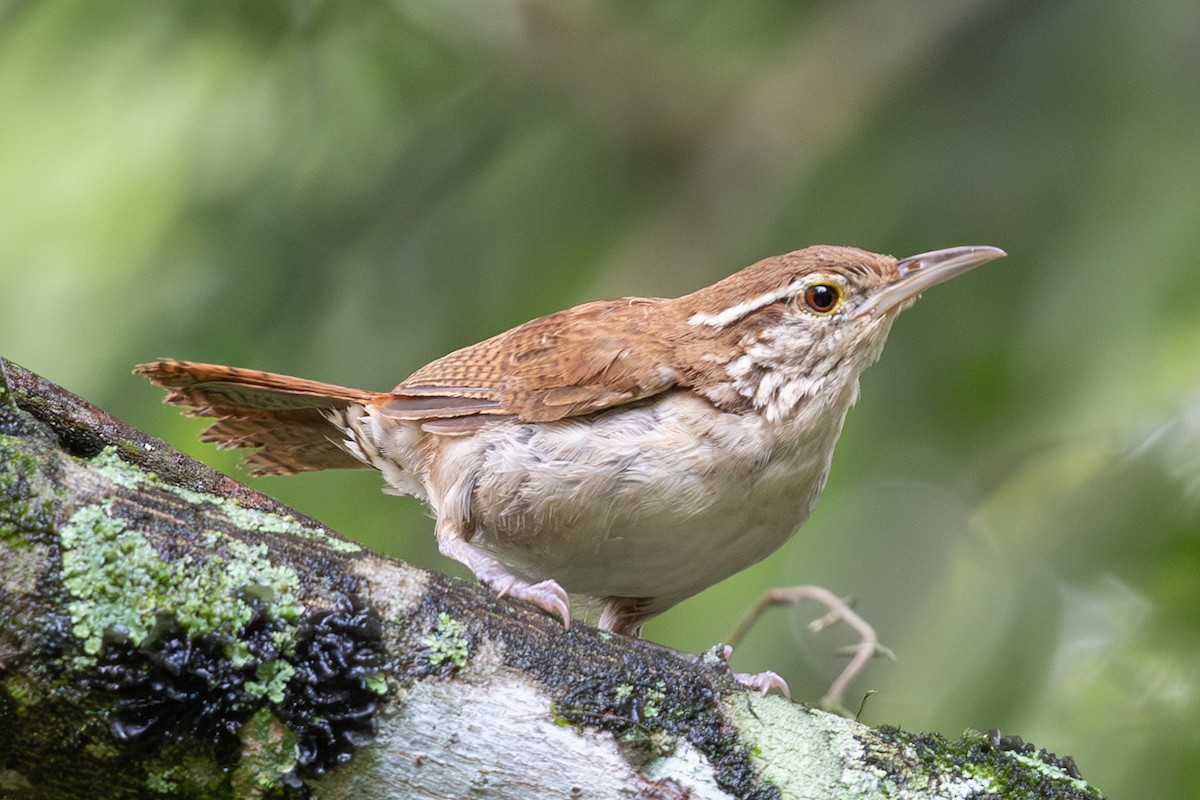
{"points": [[631, 452]]}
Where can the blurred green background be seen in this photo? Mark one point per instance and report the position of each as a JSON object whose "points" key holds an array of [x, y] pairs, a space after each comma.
{"points": [[345, 191]]}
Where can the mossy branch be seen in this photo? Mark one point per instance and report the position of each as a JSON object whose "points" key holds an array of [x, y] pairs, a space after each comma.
{"points": [[167, 632]]}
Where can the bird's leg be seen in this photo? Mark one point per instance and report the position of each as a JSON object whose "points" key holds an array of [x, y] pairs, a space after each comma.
{"points": [[546, 595], [839, 611], [624, 615]]}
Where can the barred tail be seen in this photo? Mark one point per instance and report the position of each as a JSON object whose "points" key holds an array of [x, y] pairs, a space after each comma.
{"points": [[286, 418]]}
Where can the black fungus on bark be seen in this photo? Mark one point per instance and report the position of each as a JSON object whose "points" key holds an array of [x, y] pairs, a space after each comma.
{"points": [[173, 687], [330, 705]]}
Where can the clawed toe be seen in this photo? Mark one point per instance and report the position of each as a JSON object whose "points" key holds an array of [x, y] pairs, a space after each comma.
{"points": [[763, 682], [546, 595]]}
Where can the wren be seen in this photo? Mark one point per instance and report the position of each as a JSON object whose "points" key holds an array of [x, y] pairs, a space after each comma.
{"points": [[632, 451]]}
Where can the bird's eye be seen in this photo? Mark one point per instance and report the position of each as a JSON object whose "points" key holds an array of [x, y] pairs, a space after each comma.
{"points": [[823, 298]]}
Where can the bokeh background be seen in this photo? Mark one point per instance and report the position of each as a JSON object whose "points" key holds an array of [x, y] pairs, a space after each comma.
{"points": [[345, 191]]}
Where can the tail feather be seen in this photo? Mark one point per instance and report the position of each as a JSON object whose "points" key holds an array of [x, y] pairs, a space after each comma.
{"points": [[287, 418]]}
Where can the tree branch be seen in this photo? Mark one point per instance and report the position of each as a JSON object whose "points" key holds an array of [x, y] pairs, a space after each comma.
{"points": [[167, 631]]}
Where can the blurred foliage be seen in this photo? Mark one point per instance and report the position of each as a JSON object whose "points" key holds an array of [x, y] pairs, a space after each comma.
{"points": [[347, 190]]}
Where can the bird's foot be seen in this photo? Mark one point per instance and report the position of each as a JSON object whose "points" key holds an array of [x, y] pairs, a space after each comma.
{"points": [[763, 682], [546, 595]]}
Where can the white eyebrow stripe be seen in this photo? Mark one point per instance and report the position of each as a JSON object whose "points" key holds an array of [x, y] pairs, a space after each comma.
{"points": [[734, 313]]}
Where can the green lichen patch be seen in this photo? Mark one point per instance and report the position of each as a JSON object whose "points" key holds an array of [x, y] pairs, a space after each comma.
{"points": [[448, 644], [161, 783], [791, 750], [848, 759], [109, 465], [25, 507], [376, 682], [270, 680], [253, 519], [121, 587], [914, 765], [268, 764]]}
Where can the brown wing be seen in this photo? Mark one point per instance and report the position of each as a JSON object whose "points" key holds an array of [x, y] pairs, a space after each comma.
{"points": [[284, 416], [574, 362]]}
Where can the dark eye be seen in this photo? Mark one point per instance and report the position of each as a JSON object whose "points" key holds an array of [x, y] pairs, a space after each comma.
{"points": [[823, 298]]}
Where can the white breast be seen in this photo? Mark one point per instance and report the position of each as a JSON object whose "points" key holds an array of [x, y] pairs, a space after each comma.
{"points": [[658, 501]]}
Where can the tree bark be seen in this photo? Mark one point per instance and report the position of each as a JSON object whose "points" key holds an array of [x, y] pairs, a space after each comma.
{"points": [[168, 632]]}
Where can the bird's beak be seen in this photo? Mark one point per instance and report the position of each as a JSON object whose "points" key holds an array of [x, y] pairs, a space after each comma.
{"points": [[918, 273]]}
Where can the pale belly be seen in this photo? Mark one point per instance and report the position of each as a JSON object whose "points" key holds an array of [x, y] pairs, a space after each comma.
{"points": [[659, 501]]}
